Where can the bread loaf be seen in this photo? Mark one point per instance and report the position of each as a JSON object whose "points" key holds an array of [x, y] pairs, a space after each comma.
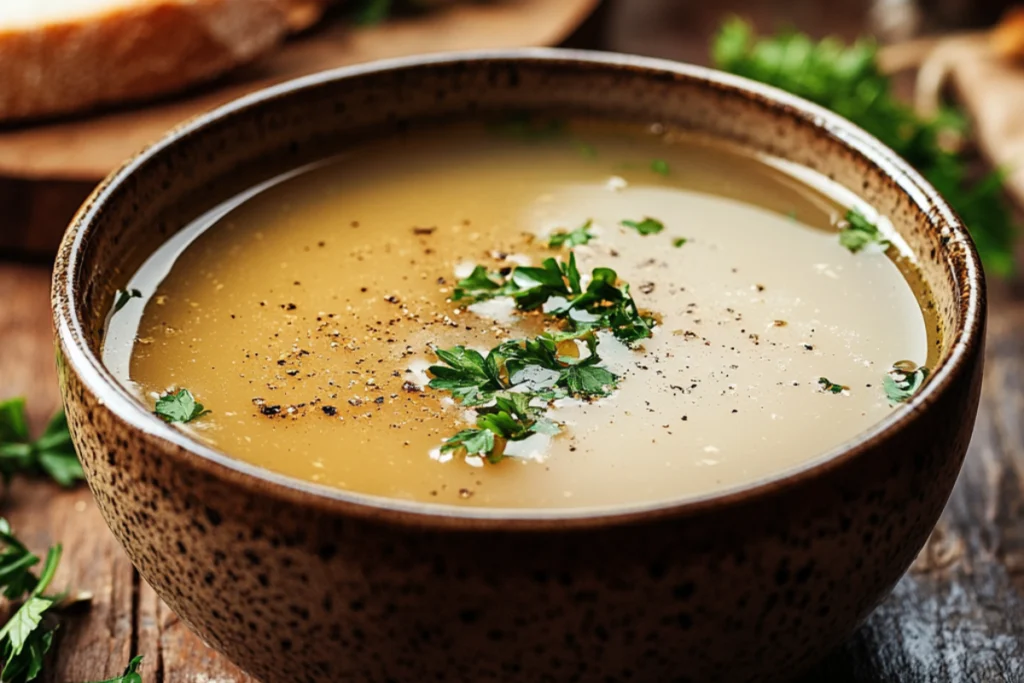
{"points": [[64, 56]]}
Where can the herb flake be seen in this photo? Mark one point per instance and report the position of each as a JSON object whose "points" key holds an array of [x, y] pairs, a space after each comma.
{"points": [[830, 387], [859, 232], [179, 407], [577, 237], [903, 381], [661, 167], [647, 226]]}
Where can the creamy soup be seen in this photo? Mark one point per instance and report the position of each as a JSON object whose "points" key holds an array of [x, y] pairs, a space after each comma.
{"points": [[304, 316]]}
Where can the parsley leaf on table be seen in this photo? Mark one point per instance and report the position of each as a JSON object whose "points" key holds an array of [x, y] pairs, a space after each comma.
{"points": [[28, 634], [52, 454], [580, 235], [131, 673], [647, 226], [859, 232], [179, 407], [847, 80]]}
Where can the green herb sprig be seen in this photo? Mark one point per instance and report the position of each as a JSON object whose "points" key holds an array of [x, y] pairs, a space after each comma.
{"points": [[847, 80], [179, 407], [28, 634], [512, 386], [575, 238], [858, 232], [646, 226], [903, 381], [52, 454], [556, 288]]}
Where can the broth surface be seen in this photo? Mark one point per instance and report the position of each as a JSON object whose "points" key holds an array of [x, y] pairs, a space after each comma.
{"points": [[323, 294]]}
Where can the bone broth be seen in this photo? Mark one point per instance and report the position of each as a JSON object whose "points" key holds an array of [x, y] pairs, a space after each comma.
{"points": [[529, 317]]}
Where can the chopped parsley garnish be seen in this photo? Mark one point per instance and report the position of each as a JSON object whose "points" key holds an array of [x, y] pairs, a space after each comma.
{"points": [[580, 235], [547, 366], [556, 288], [661, 167], [831, 387], [647, 226], [848, 80], [123, 296], [678, 242], [858, 232], [511, 418], [52, 454], [903, 381], [179, 407]]}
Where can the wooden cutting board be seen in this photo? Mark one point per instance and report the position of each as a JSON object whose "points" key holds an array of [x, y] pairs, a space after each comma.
{"points": [[48, 169]]}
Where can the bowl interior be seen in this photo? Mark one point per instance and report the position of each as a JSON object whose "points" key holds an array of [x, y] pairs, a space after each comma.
{"points": [[221, 153]]}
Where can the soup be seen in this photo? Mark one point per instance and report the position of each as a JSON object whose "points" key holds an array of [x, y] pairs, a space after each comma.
{"points": [[327, 320]]}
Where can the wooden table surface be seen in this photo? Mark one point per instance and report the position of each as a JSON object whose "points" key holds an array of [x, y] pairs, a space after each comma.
{"points": [[957, 616]]}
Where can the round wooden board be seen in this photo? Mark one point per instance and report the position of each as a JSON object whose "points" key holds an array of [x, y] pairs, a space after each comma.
{"points": [[87, 149]]}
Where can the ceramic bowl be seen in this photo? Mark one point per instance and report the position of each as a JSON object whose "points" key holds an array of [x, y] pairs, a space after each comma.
{"points": [[300, 583]]}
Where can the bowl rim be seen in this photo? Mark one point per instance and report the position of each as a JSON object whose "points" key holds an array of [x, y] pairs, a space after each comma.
{"points": [[175, 443]]}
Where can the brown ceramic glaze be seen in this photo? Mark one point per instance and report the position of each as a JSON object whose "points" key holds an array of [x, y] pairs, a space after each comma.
{"points": [[300, 583]]}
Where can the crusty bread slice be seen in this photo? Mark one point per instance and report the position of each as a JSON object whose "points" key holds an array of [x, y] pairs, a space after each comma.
{"points": [[63, 56]]}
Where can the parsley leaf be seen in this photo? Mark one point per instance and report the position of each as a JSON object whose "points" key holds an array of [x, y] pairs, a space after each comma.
{"points": [[28, 635], [123, 296], [556, 287], [511, 418], [847, 80], [858, 232], [830, 387], [678, 242], [179, 407], [52, 454], [661, 167], [471, 378], [648, 226], [580, 235], [903, 381], [131, 673], [15, 564], [371, 12]]}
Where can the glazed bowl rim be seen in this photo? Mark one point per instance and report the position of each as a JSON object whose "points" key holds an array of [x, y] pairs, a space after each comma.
{"points": [[175, 443]]}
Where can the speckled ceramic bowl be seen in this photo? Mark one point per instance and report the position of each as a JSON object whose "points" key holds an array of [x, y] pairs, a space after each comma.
{"points": [[300, 583]]}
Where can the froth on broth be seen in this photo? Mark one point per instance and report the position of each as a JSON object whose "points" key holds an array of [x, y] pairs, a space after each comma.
{"points": [[303, 316]]}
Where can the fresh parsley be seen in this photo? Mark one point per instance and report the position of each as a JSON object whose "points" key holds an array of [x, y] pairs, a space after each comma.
{"points": [[678, 242], [647, 226], [847, 80], [577, 237], [548, 366], [131, 673], [52, 454], [556, 288], [903, 381], [830, 387], [512, 386], [179, 407], [858, 232], [28, 634], [511, 418], [661, 167]]}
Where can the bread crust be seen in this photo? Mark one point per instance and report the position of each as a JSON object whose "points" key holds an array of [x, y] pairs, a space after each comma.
{"points": [[155, 48]]}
